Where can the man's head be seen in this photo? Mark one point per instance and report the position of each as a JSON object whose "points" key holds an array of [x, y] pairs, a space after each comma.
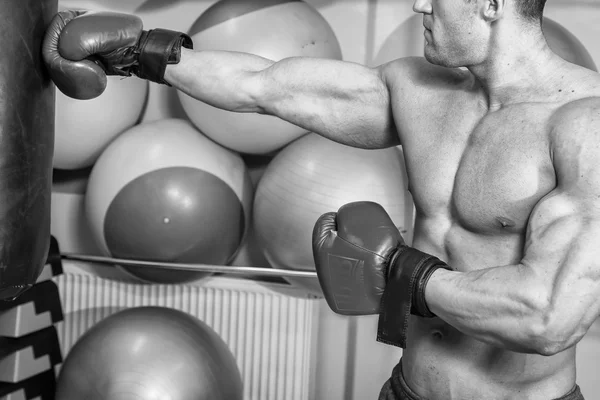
{"points": [[463, 32]]}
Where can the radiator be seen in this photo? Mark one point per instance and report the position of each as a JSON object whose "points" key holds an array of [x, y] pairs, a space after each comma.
{"points": [[270, 333]]}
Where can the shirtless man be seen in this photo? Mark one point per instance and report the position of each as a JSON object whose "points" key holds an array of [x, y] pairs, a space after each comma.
{"points": [[502, 163]]}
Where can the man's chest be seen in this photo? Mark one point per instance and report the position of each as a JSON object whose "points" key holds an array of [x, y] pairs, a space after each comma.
{"points": [[485, 174]]}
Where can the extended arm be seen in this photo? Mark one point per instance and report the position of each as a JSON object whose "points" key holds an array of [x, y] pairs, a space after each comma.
{"points": [[548, 301], [344, 101]]}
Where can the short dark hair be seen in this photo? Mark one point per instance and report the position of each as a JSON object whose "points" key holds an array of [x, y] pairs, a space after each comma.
{"points": [[531, 10]]}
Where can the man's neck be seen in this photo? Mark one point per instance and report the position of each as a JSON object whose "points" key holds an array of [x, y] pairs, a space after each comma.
{"points": [[518, 71]]}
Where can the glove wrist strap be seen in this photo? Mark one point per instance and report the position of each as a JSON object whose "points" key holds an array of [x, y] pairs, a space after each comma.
{"points": [[408, 274], [419, 304], [157, 49]]}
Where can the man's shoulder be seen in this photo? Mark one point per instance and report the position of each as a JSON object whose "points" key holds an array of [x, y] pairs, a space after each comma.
{"points": [[578, 112], [581, 91], [418, 72], [575, 148], [576, 124]]}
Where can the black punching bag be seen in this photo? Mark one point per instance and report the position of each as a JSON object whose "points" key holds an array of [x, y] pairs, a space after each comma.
{"points": [[26, 144]]}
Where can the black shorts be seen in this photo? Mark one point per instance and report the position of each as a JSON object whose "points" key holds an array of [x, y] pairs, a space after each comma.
{"points": [[397, 389]]}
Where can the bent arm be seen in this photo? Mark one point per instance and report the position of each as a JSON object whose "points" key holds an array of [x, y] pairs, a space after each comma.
{"points": [[346, 102], [547, 302], [543, 305]]}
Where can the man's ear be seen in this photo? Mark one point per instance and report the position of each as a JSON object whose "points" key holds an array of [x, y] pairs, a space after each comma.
{"points": [[492, 10]]}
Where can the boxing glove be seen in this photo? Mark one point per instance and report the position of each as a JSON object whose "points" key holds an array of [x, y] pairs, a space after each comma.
{"points": [[81, 48], [364, 267]]}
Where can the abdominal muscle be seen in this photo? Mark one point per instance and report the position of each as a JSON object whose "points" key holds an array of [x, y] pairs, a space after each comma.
{"points": [[440, 362]]}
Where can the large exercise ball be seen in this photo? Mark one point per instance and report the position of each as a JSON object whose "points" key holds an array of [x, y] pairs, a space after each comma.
{"points": [[162, 191], [85, 127], [407, 40], [274, 29], [312, 176], [150, 353], [566, 45]]}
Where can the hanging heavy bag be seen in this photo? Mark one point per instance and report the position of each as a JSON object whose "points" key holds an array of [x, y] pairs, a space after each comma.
{"points": [[26, 144]]}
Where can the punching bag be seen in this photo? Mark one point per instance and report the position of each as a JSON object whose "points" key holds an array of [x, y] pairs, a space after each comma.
{"points": [[26, 144]]}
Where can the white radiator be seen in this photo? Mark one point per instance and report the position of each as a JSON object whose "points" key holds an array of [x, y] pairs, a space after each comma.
{"points": [[270, 333]]}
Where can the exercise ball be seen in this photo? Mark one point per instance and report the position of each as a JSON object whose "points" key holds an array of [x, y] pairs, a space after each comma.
{"points": [[566, 45], [85, 127], [407, 40], [312, 176], [274, 29], [150, 353], [162, 191]]}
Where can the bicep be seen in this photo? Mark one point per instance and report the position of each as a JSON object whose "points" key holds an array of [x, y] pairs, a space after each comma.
{"points": [[562, 245], [562, 250], [346, 102]]}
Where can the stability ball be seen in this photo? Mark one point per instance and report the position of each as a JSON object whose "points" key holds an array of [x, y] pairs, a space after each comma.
{"points": [[150, 353], [407, 41], [274, 29], [566, 45], [85, 127], [162, 191], [312, 176]]}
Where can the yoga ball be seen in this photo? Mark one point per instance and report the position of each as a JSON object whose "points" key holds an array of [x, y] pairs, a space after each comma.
{"points": [[162, 191], [312, 176], [407, 40], [150, 353], [566, 45], [85, 127], [274, 29]]}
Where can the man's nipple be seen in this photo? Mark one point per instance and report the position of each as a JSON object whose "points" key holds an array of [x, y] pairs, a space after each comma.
{"points": [[505, 222]]}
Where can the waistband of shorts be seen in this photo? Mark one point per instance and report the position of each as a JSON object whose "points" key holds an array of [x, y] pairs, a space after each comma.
{"points": [[404, 392]]}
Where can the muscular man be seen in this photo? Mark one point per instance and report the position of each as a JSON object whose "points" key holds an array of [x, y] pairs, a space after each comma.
{"points": [[501, 158]]}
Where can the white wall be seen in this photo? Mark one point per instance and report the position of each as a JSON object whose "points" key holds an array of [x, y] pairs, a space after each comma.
{"points": [[352, 366]]}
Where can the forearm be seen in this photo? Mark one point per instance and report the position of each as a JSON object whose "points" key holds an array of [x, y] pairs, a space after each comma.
{"points": [[503, 306], [218, 78]]}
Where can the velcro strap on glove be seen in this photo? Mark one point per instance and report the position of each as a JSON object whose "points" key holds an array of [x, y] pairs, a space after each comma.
{"points": [[158, 48], [404, 294]]}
